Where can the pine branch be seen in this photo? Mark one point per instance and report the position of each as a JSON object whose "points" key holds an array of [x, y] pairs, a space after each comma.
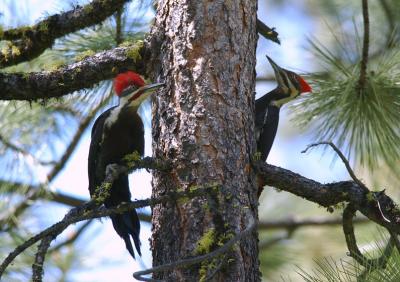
{"points": [[84, 74], [29, 42], [331, 194], [92, 210], [33, 193], [325, 195], [348, 229], [37, 266], [341, 156]]}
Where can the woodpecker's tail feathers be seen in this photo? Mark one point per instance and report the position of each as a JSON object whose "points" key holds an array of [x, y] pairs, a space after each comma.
{"points": [[127, 225]]}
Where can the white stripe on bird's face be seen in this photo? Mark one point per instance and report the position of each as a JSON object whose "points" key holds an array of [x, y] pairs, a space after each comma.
{"points": [[289, 90]]}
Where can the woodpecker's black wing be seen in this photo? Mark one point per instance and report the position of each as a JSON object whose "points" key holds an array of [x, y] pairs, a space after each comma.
{"points": [[95, 150], [123, 135], [268, 131], [266, 121]]}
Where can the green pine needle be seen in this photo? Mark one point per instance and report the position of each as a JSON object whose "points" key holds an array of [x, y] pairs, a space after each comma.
{"points": [[361, 122], [348, 270]]}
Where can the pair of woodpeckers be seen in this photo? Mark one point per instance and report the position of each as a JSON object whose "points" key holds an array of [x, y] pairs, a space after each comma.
{"points": [[119, 131]]}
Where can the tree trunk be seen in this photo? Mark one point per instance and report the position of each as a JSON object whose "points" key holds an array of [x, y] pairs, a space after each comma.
{"points": [[203, 121]]}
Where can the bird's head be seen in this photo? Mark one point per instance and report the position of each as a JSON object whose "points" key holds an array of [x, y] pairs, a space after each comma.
{"points": [[131, 88], [291, 84]]}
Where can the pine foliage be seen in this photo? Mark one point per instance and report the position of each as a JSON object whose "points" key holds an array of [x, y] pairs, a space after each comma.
{"points": [[363, 122]]}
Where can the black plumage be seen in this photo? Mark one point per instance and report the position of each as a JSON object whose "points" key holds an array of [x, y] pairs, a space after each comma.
{"points": [[290, 86], [267, 120], [116, 133]]}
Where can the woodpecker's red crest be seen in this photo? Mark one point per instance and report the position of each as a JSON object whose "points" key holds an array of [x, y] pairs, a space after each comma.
{"points": [[125, 80], [290, 82], [304, 86]]}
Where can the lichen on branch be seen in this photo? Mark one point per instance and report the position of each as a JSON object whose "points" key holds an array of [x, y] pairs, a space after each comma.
{"points": [[84, 74], [28, 42]]}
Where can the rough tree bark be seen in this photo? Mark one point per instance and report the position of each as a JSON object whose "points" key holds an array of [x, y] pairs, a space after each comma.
{"points": [[203, 122]]}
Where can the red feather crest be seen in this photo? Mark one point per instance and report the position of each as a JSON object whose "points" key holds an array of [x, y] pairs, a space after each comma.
{"points": [[123, 80], [304, 86]]}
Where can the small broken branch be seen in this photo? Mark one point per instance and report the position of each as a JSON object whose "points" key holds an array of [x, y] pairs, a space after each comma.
{"points": [[341, 156], [267, 32]]}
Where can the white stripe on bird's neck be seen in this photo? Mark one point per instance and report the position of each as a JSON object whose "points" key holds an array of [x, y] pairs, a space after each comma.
{"points": [[125, 103], [114, 115]]}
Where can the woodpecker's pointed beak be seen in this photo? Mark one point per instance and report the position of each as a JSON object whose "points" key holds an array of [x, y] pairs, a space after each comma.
{"points": [[279, 72], [273, 64], [150, 87], [137, 97]]}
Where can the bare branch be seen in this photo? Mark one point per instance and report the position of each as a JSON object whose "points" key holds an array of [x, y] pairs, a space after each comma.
{"points": [[351, 172], [92, 210], [341, 156], [29, 42], [328, 195], [195, 260], [291, 225], [364, 59], [355, 253], [37, 266], [77, 76]]}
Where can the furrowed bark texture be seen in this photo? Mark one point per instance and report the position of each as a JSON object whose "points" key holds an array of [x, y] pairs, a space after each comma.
{"points": [[203, 121]]}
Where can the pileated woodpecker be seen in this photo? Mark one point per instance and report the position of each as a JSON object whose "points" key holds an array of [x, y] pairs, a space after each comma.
{"points": [[117, 132], [290, 86]]}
